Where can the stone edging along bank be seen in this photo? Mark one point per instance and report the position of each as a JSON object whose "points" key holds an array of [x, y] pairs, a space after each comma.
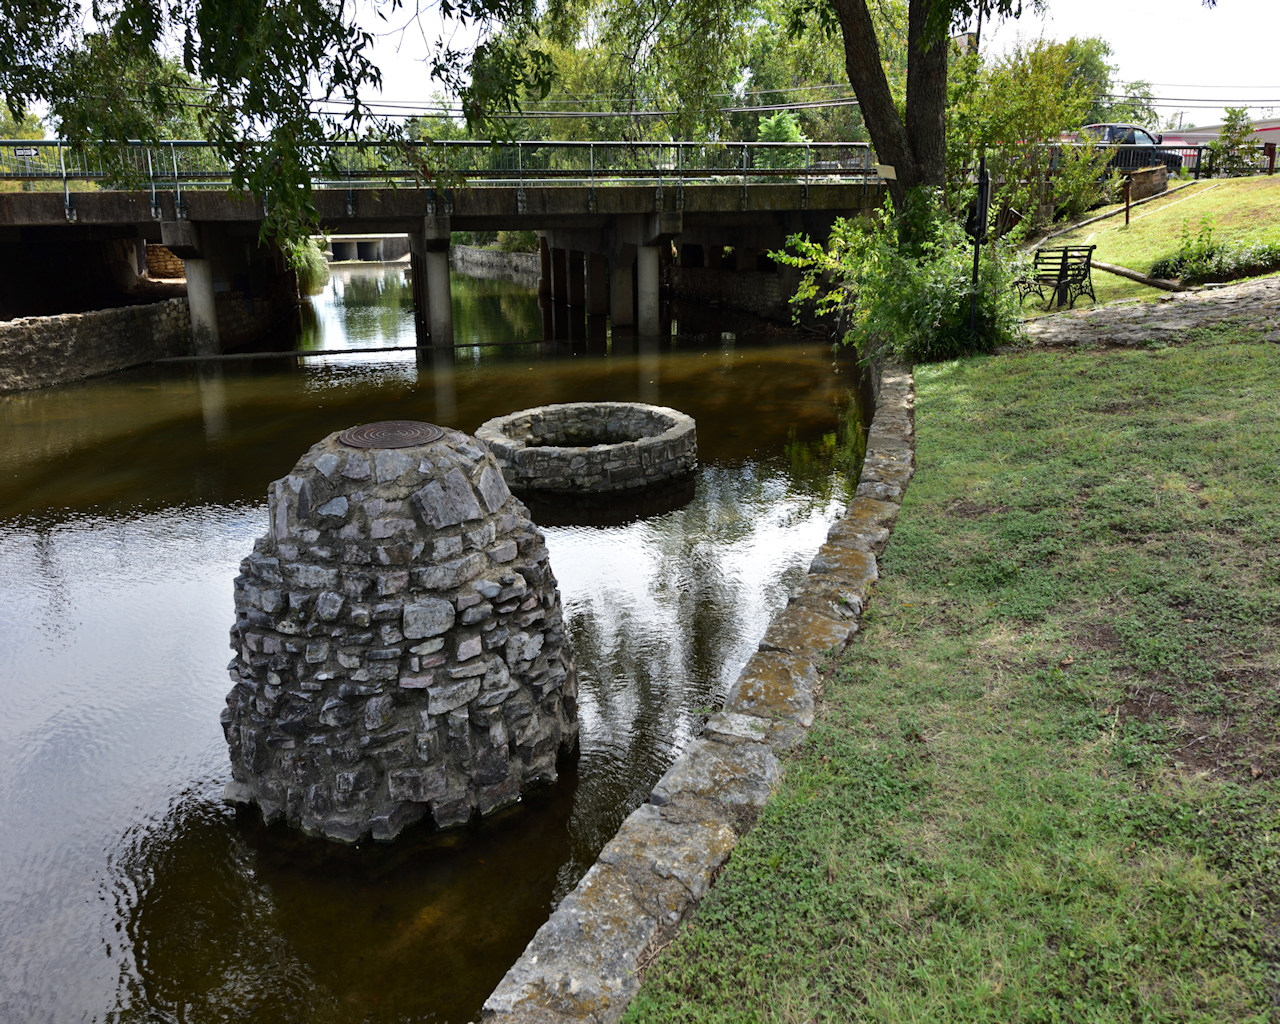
{"points": [[583, 963]]}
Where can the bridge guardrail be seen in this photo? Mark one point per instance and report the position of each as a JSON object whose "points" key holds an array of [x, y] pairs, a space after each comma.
{"points": [[180, 164]]}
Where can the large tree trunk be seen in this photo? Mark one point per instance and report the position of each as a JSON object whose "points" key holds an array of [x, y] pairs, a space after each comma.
{"points": [[914, 147]]}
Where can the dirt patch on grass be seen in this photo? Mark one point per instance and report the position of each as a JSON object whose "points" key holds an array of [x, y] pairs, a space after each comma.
{"points": [[963, 508], [1241, 745]]}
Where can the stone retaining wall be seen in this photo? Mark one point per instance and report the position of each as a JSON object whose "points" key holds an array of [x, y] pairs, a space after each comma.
{"points": [[755, 291], [521, 267], [163, 264], [41, 351], [37, 352], [582, 964], [1145, 182]]}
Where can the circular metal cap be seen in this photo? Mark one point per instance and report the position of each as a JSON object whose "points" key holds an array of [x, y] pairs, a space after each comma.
{"points": [[391, 434]]}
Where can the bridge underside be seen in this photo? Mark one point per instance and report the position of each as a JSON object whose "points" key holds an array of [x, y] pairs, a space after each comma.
{"points": [[604, 247]]}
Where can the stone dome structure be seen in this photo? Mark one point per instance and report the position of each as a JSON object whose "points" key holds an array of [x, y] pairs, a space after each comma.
{"points": [[399, 641]]}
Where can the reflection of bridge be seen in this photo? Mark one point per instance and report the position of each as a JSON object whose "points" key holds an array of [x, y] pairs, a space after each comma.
{"points": [[609, 214]]}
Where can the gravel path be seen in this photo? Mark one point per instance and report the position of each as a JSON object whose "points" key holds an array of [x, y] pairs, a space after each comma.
{"points": [[1251, 303]]}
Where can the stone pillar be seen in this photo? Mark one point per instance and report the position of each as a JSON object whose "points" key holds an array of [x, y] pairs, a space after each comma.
{"points": [[577, 291], [400, 650], [648, 301], [204, 314], [597, 284]]}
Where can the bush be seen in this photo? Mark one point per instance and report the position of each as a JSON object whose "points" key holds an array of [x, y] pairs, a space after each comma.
{"points": [[518, 241], [1200, 258], [308, 262], [903, 284]]}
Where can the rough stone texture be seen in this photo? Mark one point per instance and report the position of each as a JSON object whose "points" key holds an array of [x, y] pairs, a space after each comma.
{"points": [[756, 291], [582, 965], [400, 646], [163, 264], [521, 267], [1147, 181], [591, 447], [1254, 305], [39, 351]]}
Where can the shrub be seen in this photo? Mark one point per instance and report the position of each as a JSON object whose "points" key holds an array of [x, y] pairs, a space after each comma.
{"points": [[518, 241], [903, 284], [1200, 258]]}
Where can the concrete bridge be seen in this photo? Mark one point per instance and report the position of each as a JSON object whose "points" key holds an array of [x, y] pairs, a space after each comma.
{"points": [[605, 231]]}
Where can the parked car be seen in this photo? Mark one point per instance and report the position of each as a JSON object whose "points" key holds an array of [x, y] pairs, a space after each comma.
{"points": [[1140, 147]]}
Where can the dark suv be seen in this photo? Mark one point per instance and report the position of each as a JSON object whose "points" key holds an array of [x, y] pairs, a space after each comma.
{"points": [[1140, 146]]}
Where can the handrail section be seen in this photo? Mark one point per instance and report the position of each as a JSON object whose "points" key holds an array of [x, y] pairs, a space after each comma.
{"points": [[183, 165]]}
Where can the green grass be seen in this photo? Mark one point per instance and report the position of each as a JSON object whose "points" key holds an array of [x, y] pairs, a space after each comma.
{"points": [[1241, 209], [1043, 784]]}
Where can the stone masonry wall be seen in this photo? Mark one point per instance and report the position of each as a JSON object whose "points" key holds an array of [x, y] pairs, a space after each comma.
{"points": [[400, 645], [40, 351], [591, 447], [759, 292], [521, 267], [584, 963], [163, 264]]}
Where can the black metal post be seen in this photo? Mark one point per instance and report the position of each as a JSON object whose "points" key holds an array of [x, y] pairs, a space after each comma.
{"points": [[982, 212]]}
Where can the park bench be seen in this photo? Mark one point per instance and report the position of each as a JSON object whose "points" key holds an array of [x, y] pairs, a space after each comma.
{"points": [[1062, 273]]}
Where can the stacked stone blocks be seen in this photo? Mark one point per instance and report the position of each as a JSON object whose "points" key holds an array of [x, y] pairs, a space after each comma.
{"points": [[592, 447], [400, 646]]}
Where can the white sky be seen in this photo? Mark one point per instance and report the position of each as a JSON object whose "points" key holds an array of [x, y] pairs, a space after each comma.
{"points": [[1199, 58]]}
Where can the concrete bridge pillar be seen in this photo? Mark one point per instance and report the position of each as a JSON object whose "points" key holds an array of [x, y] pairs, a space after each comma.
{"points": [[622, 293], [187, 241], [648, 279], [597, 284], [204, 314], [544, 257], [429, 249], [577, 289], [559, 274]]}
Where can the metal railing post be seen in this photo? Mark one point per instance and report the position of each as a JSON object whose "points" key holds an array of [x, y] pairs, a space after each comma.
{"points": [[68, 204], [179, 204], [591, 195], [520, 197], [151, 180]]}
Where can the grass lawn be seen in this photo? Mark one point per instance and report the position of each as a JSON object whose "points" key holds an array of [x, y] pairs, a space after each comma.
{"points": [[1043, 786], [1240, 209]]}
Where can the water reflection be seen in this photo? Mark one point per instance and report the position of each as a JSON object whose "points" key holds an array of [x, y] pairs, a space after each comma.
{"points": [[127, 892]]}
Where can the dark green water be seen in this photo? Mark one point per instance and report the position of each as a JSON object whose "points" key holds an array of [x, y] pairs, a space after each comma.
{"points": [[128, 892]]}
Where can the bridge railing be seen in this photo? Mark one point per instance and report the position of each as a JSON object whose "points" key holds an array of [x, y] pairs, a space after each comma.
{"points": [[183, 165]]}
